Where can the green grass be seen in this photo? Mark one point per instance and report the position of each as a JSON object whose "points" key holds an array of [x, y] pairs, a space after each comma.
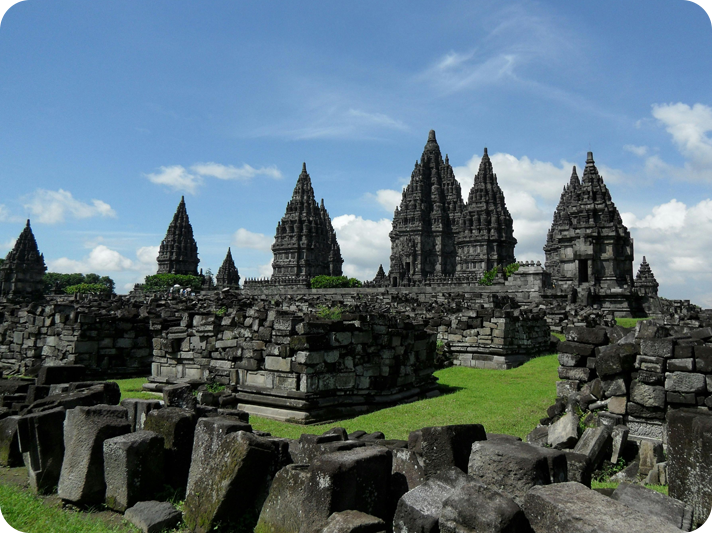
{"points": [[28, 513], [559, 336], [662, 489], [131, 388], [504, 401], [629, 322]]}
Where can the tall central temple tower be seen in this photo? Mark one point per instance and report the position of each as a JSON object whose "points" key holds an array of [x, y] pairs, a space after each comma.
{"points": [[178, 253], [426, 222], [588, 245], [305, 243]]}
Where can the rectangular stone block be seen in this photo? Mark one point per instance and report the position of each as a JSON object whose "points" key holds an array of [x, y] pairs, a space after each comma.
{"points": [[278, 364], [577, 373], [657, 347], [685, 382]]}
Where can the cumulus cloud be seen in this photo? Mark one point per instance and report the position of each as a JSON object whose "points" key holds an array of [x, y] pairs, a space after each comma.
{"points": [[676, 239], [243, 238], [364, 245], [102, 259], [265, 271], [176, 178], [52, 207], [640, 151], [388, 199], [229, 172]]}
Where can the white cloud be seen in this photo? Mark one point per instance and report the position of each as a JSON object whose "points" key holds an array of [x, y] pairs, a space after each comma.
{"points": [[666, 218], [640, 151], [229, 172], [388, 199], [102, 259], [243, 238], [364, 245], [51, 207], [265, 271], [176, 178]]}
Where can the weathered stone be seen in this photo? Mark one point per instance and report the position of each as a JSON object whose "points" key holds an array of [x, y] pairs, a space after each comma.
{"points": [[510, 467], [578, 467], [180, 396], [357, 479], [685, 382], [576, 348], [407, 472], [615, 359], [595, 443], [539, 436], [651, 453], [657, 347], [617, 405], [153, 516], [556, 460], [681, 365], [475, 507], [41, 441], [51, 375], [566, 388], [209, 433], [419, 509], [281, 512], [614, 386], [441, 447], [570, 359], [354, 522], [106, 393], [177, 427], [564, 433], [138, 411], [133, 468], [241, 471], [574, 373], [9, 448], [573, 508], [640, 411], [647, 395], [593, 336], [652, 503], [619, 438], [85, 430]]}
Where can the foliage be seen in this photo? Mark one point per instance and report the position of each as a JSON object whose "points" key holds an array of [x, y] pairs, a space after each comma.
{"points": [[215, 387], [64, 281], [163, 282], [334, 282], [331, 313], [504, 401], [609, 469], [88, 288], [511, 269], [221, 311], [488, 277]]}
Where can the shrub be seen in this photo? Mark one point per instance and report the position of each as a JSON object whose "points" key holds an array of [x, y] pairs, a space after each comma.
{"points": [[332, 313], [511, 269], [221, 311], [87, 288], [334, 282], [488, 277], [52, 279], [163, 282]]}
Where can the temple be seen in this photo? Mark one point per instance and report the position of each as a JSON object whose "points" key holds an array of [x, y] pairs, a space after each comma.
{"points": [[305, 242], [227, 275], [178, 253], [588, 246], [645, 281], [23, 269], [486, 239], [425, 225]]}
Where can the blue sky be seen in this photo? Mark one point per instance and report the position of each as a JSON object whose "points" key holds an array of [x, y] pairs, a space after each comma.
{"points": [[110, 111]]}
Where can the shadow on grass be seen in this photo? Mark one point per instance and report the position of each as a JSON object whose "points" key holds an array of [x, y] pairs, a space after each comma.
{"points": [[448, 389]]}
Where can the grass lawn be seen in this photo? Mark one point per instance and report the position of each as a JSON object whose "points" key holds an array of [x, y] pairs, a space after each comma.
{"points": [[131, 388], [629, 322], [662, 489]]}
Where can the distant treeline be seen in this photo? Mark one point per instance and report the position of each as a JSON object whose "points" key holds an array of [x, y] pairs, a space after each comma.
{"points": [[72, 283]]}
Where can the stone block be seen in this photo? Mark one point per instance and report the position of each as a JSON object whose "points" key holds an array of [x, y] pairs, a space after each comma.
{"points": [[180, 396], [9, 448], [617, 405], [138, 411], [647, 395], [475, 507], [653, 503], [594, 336], [681, 365], [566, 388], [357, 480], [640, 411], [619, 438], [242, 468], [614, 386], [209, 432], [574, 373], [573, 508], [595, 443], [685, 382], [615, 359], [51, 375], [564, 433], [354, 522], [419, 509], [281, 512], [133, 468], [651, 378], [177, 427], [441, 447], [578, 467], [85, 430], [539, 436], [153, 516], [684, 398], [650, 453], [570, 359], [41, 441], [509, 466], [576, 348], [657, 347], [702, 333], [703, 363], [80, 394]]}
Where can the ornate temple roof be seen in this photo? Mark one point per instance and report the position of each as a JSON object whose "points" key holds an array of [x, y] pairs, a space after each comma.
{"points": [[227, 275], [178, 253]]}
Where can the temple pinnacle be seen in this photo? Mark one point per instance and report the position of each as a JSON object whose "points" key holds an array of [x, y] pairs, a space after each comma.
{"points": [[431, 136], [589, 159]]}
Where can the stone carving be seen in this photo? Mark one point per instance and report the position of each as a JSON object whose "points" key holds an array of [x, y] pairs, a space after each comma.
{"points": [[588, 245], [179, 252], [645, 280], [485, 239], [305, 243], [21, 273], [426, 222], [227, 273]]}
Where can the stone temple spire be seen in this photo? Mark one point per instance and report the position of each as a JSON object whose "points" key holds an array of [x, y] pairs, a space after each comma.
{"points": [[227, 275], [22, 272], [486, 237], [588, 244], [178, 253], [645, 280], [425, 223], [305, 242]]}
